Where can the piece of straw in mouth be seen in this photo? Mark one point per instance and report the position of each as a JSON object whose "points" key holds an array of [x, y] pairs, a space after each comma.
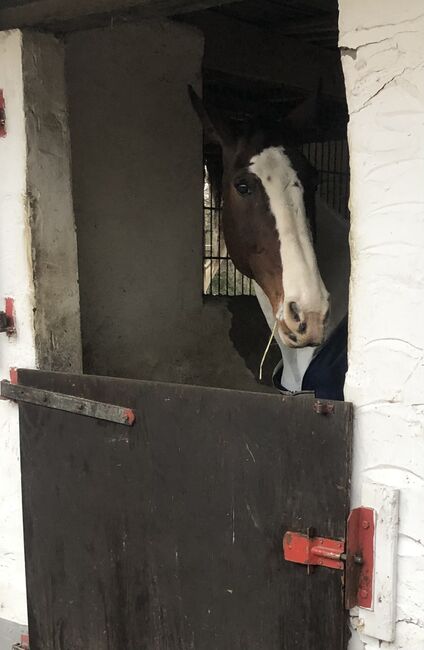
{"points": [[267, 350]]}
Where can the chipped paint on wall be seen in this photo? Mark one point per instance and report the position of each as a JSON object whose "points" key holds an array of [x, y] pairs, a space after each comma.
{"points": [[383, 61]]}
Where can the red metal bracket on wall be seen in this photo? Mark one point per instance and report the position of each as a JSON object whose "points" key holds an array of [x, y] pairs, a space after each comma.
{"points": [[2, 115], [355, 557], [7, 317], [360, 543], [23, 645]]}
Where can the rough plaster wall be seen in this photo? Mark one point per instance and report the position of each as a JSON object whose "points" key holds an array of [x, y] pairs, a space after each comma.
{"points": [[57, 317], [15, 281], [137, 171], [383, 62]]}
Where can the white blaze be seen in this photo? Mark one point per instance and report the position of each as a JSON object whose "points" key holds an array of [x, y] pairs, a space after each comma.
{"points": [[302, 281]]}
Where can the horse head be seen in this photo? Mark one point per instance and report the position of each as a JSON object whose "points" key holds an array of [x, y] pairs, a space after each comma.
{"points": [[268, 191]]}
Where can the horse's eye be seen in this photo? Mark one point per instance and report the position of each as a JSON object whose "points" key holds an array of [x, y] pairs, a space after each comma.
{"points": [[242, 188]]}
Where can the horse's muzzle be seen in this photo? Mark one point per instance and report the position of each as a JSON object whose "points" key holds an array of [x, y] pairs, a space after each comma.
{"points": [[301, 330]]}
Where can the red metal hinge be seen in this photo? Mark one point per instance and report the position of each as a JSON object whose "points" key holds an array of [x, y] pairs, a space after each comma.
{"points": [[2, 115], [7, 317], [355, 557]]}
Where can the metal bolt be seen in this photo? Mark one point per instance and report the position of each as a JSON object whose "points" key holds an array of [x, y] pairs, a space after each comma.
{"points": [[365, 524], [323, 408], [363, 593]]}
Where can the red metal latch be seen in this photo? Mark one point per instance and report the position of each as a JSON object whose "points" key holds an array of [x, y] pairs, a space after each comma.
{"points": [[356, 557], [304, 549]]}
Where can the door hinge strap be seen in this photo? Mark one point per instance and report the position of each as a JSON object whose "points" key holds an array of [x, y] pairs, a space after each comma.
{"points": [[69, 403]]}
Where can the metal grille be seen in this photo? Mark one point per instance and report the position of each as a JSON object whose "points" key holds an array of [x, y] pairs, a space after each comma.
{"points": [[331, 159], [220, 277]]}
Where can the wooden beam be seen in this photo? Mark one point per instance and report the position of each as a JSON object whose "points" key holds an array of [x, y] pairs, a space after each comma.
{"points": [[316, 26], [251, 52], [15, 3], [46, 12], [318, 5]]}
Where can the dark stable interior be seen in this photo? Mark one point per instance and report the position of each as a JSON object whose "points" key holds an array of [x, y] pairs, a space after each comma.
{"points": [[261, 57]]}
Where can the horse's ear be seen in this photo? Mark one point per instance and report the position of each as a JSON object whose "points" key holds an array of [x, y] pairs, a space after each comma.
{"points": [[214, 128], [305, 115]]}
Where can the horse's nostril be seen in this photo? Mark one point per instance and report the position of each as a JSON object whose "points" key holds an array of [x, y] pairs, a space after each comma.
{"points": [[302, 328], [294, 311]]}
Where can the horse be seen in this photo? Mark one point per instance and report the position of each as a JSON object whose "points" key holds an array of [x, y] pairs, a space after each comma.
{"points": [[293, 247]]}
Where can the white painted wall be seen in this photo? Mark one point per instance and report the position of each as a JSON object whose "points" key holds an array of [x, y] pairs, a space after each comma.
{"points": [[15, 281], [383, 62], [38, 267]]}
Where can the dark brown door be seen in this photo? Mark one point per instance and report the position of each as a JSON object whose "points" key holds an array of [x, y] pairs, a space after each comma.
{"points": [[168, 535]]}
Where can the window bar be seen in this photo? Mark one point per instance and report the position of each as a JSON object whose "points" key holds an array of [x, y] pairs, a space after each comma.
{"points": [[210, 247], [341, 206], [210, 236], [337, 179], [347, 178], [226, 278], [328, 173], [341, 185], [205, 256], [219, 250], [341, 194]]}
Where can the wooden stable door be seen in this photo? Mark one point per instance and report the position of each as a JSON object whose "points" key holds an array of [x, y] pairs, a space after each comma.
{"points": [[168, 534]]}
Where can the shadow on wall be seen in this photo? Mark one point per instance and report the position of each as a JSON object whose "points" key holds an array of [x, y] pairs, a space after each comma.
{"points": [[249, 333]]}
